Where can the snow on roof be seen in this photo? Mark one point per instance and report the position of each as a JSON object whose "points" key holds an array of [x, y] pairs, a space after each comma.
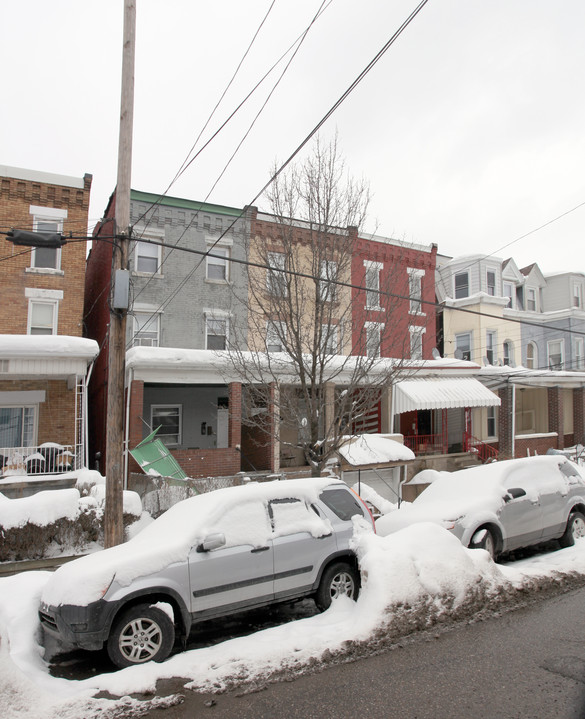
{"points": [[48, 346], [373, 449]]}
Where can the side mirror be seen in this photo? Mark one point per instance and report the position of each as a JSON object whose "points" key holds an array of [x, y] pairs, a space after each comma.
{"points": [[212, 541], [514, 493]]}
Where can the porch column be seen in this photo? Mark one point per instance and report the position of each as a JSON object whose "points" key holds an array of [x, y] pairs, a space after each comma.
{"points": [[556, 420], [235, 414], [506, 422], [579, 415], [386, 410], [134, 419]]}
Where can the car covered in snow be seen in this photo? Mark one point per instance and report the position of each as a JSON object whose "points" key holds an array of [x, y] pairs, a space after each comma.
{"points": [[501, 506], [208, 556]]}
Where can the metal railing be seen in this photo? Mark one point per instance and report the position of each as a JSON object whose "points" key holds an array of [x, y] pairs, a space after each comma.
{"points": [[485, 452], [426, 443], [47, 458]]}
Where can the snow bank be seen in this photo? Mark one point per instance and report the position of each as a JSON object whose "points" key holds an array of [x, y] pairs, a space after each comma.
{"points": [[42, 508]]}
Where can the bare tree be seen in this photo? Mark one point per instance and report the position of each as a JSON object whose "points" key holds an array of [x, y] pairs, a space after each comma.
{"points": [[309, 358]]}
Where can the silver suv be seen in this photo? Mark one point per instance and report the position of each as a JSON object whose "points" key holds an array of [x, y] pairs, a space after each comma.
{"points": [[212, 555]]}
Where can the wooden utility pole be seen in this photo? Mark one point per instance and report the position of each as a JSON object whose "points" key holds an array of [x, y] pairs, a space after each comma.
{"points": [[113, 527]]}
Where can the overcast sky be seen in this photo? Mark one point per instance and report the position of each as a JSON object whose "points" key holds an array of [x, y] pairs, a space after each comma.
{"points": [[470, 129]]}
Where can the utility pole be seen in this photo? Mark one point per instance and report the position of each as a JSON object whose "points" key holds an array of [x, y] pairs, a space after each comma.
{"points": [[113, 526]]}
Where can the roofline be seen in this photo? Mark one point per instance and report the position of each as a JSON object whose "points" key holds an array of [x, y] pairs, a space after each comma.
{"points": [[19, 173], [165, 200]]}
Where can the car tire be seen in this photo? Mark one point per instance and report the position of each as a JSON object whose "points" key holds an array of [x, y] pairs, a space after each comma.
{"points": [[142, 633], [575, 529], [486, 541], [339, 579]]}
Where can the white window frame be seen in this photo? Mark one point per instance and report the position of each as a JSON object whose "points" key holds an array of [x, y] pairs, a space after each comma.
{"points": [[549, 354], [509, 292], [28, 439], [36, 301], [372, 283], [491, 418], [491, 345], [275, 330], [217, 316], [508, 353], [416, 333], [531, 299], [140, 240], [179, 408], [330, 339], [458, 338], [532, 362], [456, 275], [579, 363], [371, 329], [56, 217], [276, 280], [488, 272], [327, 281], [217, 262], [577, 295], [138, 328], [415, 290]]}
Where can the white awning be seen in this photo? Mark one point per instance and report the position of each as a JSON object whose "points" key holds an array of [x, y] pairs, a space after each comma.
{"points": [[442, 393]]}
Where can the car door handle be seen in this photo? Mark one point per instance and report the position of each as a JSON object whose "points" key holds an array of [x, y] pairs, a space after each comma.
{"points": [[260, 549]]}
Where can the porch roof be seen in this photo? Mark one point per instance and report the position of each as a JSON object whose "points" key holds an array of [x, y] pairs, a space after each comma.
{"points": [[442, 393]]}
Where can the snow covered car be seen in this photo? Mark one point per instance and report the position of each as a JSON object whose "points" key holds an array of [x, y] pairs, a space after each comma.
{"points": [[501, 506], [208, 556]]}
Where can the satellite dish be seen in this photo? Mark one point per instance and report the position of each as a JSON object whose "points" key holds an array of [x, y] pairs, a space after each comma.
{"points": [[436, 353]]}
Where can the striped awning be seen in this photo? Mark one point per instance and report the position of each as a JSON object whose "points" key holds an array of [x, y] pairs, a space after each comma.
{"points": [[442, 393]]}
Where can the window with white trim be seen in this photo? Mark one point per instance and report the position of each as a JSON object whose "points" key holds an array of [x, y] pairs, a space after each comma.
{"points": [[330, 339], [147, 256], [577, 295], [217, 268], [508, 353], [47, 219], [327, 280], [275, 336], [42, 317], [531, 356], [491, 422], [491, 282], [216, 332], [490, 346], [275, 276], [373, 270], [416, 341], [555, 351], [169, 417], [415, 290], [373, 338], [146, 329], [461, 285], [509, 293], [463, 346], [579, 353], [17, 426], [531, 299]]}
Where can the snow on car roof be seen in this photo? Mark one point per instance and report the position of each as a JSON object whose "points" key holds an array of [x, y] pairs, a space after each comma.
{"points": [[167, 540]]}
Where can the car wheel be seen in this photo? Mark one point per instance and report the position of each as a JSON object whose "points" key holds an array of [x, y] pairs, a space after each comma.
{"points": [[141, 634], [484, 539], [338, 580], [575, 529]]}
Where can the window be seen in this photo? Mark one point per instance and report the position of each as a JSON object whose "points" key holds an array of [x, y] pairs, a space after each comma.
{"points": [[42, 317], [577, 295], [218, 267], [373, 270], [416, 342], [216, 332], [509, 293], [531, 356], [531, 299], [17, 426], [328, 277], [146, 329], [373, 338], [415, 290], [275, 336], [275, 277], [147, 258], [169, 418], [463, 346], [555, 354], [490, 346], [491, 422], [47, 219], [330, 339], [461, 285], [579, 353], [508, 351], [491, 282]]}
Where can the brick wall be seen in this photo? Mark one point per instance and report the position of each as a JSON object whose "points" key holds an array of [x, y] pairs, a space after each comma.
{"points": [[555, 414], [208, 462], [535, 445], [579, 415], [505, 422]]}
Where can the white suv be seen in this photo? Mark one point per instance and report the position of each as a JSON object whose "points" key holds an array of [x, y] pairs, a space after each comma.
{"points": [[208, 556]]}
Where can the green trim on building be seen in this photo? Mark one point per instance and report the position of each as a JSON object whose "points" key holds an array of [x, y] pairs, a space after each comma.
{"points": [[185, 204]]}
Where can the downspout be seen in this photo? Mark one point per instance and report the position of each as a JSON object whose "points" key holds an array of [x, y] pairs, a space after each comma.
{"points": [[513, 421], [130, 375]]}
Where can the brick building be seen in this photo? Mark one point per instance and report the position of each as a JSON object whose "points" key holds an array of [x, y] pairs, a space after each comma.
{"points": [[43, 359]]}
